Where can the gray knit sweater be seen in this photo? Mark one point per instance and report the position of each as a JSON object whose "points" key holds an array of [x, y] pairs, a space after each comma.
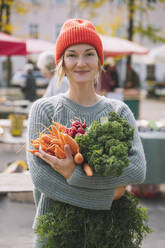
{"points": [[94, 192]]}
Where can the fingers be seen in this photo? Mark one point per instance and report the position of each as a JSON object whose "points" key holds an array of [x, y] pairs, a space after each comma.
{"points": [[68, 152], [45, 156], [63, 166], [119, 192]]}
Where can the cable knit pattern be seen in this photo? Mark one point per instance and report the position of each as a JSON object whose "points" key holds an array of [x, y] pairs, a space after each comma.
{"points": [[87, 192]]}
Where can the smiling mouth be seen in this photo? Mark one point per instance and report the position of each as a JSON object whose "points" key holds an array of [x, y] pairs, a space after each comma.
{"points": [[81, 72]]}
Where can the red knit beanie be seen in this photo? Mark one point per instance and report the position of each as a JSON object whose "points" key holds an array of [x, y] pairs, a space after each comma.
{"points": [[77, 31]]}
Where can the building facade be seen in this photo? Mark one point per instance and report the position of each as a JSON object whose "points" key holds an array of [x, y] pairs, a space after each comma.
{"points": [[44, 19]]}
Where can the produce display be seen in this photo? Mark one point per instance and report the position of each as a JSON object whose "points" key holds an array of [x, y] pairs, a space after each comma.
{"points": [[102, 148], [151, 126]]}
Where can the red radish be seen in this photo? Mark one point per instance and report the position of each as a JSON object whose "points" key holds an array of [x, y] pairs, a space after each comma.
{"points": [[84, 125], [80, 130]]}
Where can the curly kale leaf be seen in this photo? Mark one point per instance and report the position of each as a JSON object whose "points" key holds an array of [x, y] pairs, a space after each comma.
{"points": [[106, 147]]}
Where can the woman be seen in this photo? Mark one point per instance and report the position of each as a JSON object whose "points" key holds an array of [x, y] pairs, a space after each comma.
{"points": [[79, 56], [46, 64]]}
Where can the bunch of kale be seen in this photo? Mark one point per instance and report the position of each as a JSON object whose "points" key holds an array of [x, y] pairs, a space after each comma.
{"points": [[106, 145]]}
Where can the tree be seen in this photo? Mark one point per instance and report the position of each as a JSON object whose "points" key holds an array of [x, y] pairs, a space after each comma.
{"points": [[6, 7], [4, 15], [133, 6]]}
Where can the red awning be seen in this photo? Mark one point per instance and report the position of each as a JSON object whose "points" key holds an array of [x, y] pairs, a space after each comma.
{"points": [[114, 46], [10, 45]]}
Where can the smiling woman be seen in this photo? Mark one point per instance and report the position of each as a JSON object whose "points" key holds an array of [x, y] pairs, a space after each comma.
{"points": [[81, 63], [60, 182]]}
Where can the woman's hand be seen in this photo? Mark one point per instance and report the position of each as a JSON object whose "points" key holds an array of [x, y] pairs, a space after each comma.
{"points": [[63, 166], [119, 192]]}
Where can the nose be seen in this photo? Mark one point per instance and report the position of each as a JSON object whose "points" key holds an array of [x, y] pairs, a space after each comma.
{"points": [[80, 61]]}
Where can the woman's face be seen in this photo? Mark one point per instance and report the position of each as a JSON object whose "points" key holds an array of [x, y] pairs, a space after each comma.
{"points": [[81, 63]]}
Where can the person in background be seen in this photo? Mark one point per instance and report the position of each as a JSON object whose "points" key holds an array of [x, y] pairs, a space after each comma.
{"points": [[79, 56], [132, 80], [46, 64], [28, 85], [105, 83]]}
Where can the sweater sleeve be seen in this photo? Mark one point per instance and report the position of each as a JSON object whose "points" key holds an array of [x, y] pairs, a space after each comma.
{"points": [[133, 174], [50, 182]]}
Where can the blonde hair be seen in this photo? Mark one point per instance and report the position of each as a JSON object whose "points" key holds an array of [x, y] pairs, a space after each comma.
{"points": [[60, 71]]}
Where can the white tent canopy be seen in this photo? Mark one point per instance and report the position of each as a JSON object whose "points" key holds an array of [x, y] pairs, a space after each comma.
{"points": [[36, 46], [114, 46], [156, 55]]}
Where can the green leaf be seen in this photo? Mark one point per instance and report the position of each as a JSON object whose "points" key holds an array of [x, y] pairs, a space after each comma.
{"points": [[103, 120]]}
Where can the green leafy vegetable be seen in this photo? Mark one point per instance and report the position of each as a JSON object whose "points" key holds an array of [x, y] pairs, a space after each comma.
{"points": [[66, 226], [106, 145], [106, 148]]}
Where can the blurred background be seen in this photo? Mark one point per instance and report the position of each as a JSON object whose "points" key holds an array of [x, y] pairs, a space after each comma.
{"points": [[133, 36], [139, 21]]}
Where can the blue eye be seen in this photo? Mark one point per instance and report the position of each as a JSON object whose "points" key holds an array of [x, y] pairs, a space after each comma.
{"points": [[71, 55], [90, 54]]}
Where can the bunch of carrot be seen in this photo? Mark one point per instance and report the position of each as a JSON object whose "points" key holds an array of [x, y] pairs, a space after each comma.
{"points": [[54, 141]]}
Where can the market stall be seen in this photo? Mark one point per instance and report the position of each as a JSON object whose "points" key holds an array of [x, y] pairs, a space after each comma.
{"points": [[154, 144], [6, 136], [152, 134], [131, 97]]}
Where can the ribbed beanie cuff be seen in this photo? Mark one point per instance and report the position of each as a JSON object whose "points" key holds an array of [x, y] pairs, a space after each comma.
{"points": [[77, 31]]}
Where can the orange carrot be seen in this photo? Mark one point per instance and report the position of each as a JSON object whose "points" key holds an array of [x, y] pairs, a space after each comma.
{"points": [[45, 138], [33, 151], [59, 126], [78, 158], [50, 149], [56, 141], [88, 170], [36, 145], [70, 141], [59, 152], [54, 131], [61, 140], [32, 141], [44, 147]]}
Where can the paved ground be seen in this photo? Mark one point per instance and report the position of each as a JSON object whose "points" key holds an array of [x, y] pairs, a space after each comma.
{"points": [[16, 218], [15, 223], [156, 213]]}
